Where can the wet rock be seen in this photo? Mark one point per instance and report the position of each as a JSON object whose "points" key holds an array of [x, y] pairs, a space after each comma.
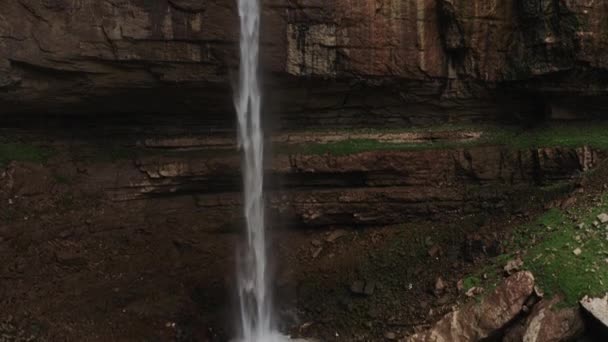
{"points": [[476, 321], [305, 326], [597, 308], [547, 324]]}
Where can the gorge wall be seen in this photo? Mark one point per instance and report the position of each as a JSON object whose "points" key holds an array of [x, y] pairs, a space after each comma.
{"points": [[327, 62], [120, 190]]}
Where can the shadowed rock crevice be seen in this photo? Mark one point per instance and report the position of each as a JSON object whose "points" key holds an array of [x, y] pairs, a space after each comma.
{"points": [[548, 38]]}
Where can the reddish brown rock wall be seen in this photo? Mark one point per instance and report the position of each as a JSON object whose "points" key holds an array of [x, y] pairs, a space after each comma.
{"points": [[336, 62]]}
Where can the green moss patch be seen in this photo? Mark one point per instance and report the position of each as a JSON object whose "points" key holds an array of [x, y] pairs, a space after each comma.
{"points": [[470, 282], [567, 252], [556, 135], [23, 152], [569, 260], [352, 146]]}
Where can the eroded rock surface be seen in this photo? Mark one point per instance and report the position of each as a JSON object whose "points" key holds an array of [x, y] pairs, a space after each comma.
{"points": [[201, 174], [363, 62]]}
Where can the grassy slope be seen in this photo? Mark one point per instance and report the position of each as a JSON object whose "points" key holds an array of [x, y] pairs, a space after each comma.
{"points": [[547, 245], [551, 242]]}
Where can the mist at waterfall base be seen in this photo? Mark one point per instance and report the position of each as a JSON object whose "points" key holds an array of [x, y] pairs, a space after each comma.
{"points": [[255, 299]]}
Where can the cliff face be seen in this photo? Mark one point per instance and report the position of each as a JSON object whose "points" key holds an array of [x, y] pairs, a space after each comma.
{"points": [[327, 62]]}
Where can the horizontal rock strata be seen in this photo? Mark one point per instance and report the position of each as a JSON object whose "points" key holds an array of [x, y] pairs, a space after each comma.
{"points": [[327, 62]]}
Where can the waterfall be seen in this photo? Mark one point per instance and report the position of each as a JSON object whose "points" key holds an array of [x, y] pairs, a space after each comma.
{"points": [[255, 298]]}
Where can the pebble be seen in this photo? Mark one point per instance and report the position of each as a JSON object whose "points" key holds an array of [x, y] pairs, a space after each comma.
{"points": [[316, 243], [440, 287], [513, 266], [316, 252], [603, 218], [361, 287], [335, 235], [357, 287], [370, 287], [434, 251], [390, 335], [577, 252], [538, 292], [443, 300], [474, 291]]}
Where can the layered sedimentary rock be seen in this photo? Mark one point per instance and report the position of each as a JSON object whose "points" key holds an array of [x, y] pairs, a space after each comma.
{"points": [[305, 189], [327, 62]]}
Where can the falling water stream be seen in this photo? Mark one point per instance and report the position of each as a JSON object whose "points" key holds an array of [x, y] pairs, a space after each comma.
{"points": [[255, 299]]}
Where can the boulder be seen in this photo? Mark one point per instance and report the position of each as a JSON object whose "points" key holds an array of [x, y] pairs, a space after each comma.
{"points": [[603, 218], [476, 321], [597, 310], [546, 323]]}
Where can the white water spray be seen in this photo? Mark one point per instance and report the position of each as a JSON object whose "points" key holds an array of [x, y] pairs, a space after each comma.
{"points": [[255, 299]]}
